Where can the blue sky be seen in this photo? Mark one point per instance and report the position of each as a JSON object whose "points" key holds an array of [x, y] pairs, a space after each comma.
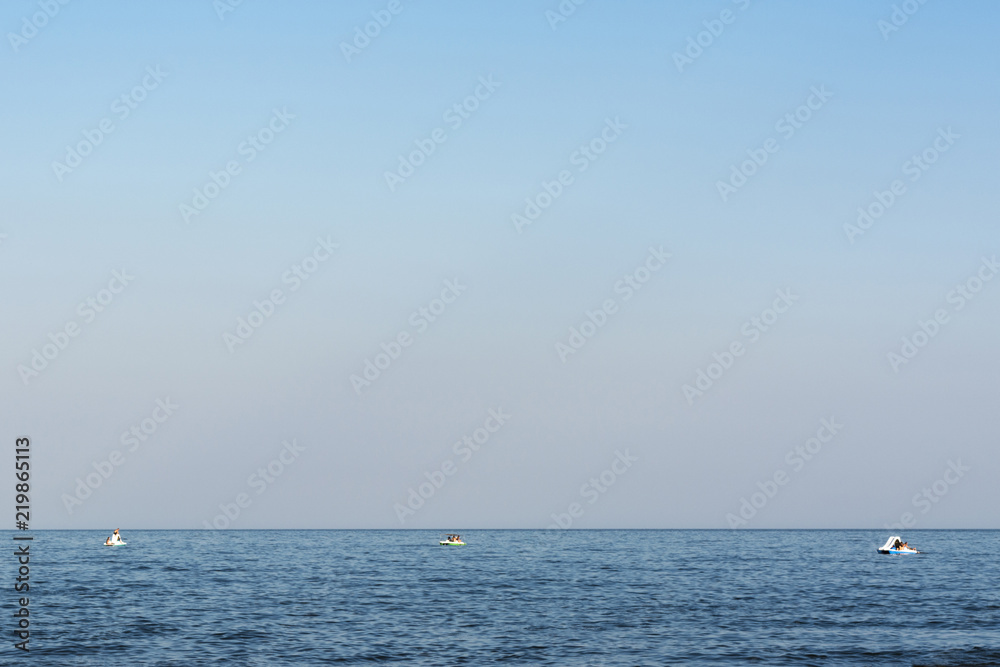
{"points": [[347, 121]]}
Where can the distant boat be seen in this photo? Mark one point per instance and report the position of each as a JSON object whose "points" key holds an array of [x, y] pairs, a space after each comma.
{"points": [[452, 540], [115, 540], [895, 545]]}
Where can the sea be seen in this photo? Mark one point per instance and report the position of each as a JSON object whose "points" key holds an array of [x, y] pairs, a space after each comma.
{"points": [[508, 597]]}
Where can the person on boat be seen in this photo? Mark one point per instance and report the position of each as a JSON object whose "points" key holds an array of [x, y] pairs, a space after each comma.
{"points": [[897, 544], [114, 539]]}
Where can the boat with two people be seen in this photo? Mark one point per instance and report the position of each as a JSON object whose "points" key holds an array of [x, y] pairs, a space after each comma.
{"points": [[895, 545], [115, 540], [452, 540]]}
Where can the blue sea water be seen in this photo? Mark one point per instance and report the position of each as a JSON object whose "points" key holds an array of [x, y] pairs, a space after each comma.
{"points": [[635, 597]]}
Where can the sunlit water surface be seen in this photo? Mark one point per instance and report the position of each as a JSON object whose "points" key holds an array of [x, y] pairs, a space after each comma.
{"points": [[511, 597]]}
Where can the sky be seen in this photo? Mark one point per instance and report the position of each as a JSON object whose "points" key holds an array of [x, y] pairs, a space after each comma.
{"points": [[502, 265]]}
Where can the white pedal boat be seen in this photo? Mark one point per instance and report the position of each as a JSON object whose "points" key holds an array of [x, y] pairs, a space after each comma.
{"points": [[894, 546]]}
